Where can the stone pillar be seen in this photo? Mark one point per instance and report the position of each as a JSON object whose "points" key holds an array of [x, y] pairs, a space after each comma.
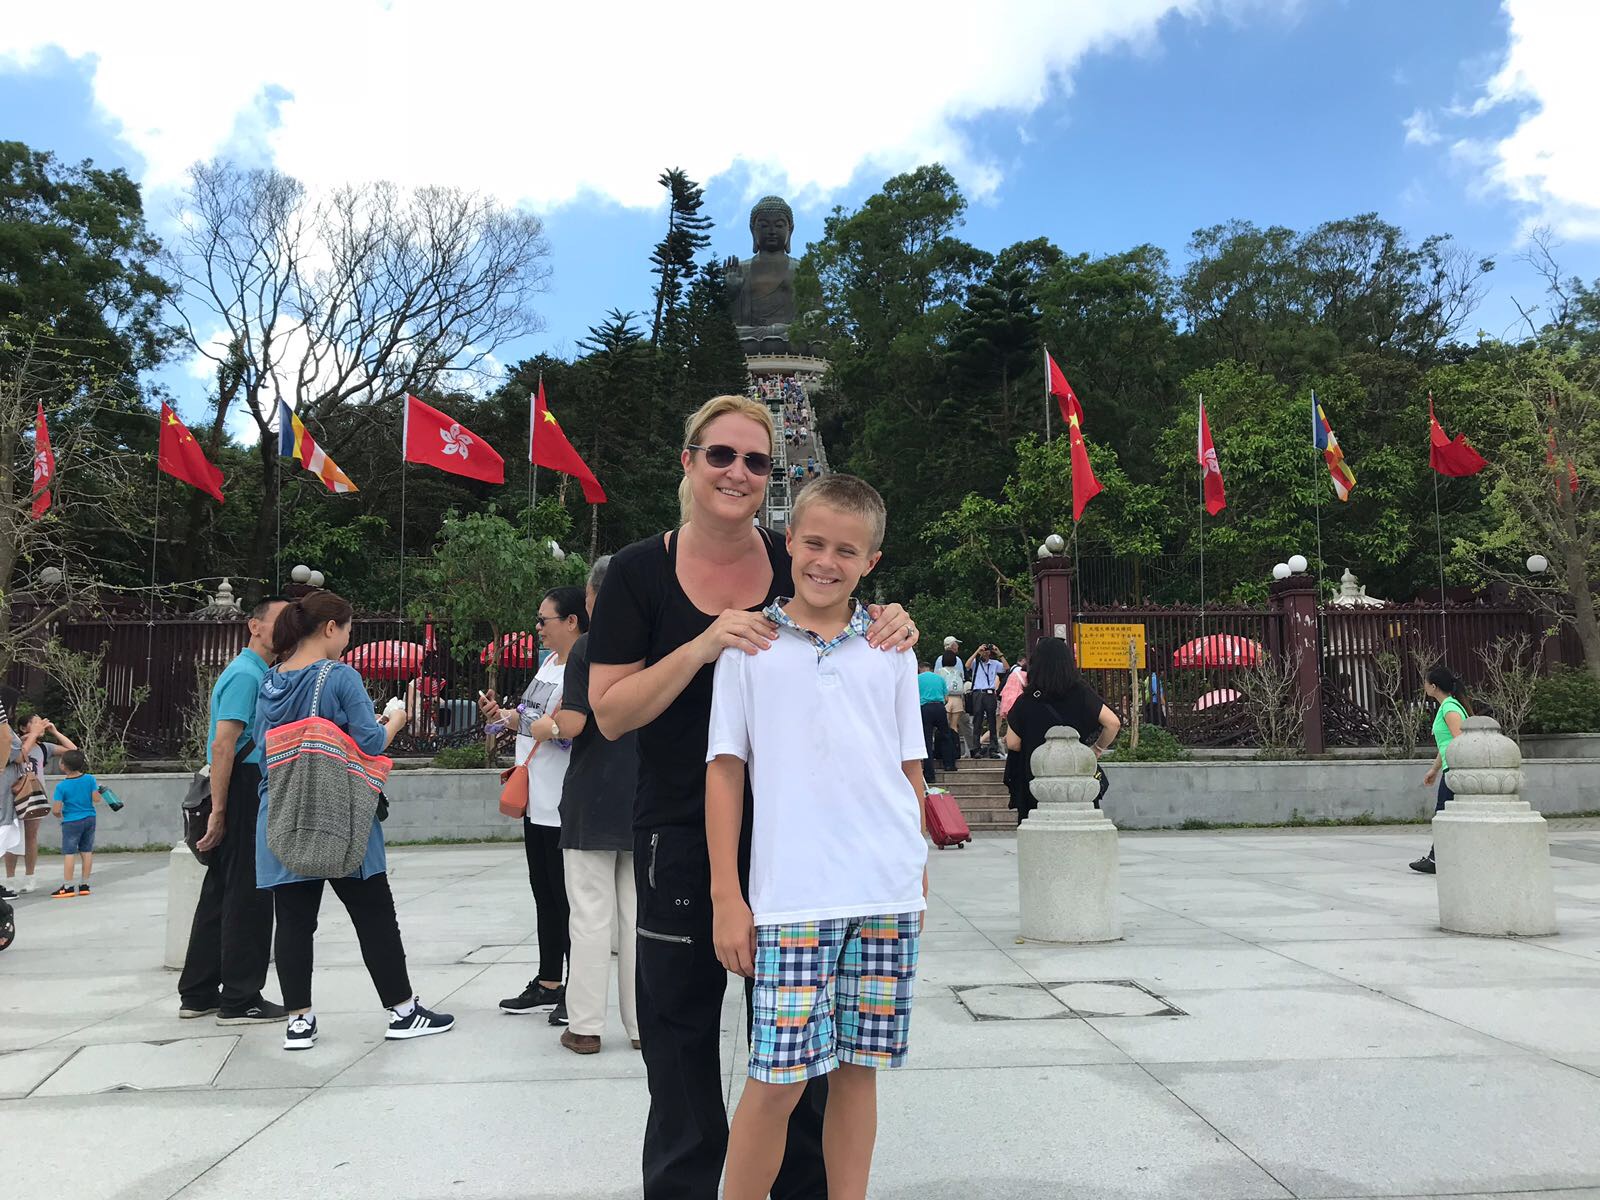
{"points": [[1052, 600], [1067, 870], [1492, 848], [1296, 598], [184, 876]]}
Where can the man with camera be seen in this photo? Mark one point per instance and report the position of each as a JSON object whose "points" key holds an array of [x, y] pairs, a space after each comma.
{"points": [[985, 668]]}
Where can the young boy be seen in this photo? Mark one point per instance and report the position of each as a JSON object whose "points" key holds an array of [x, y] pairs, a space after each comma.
{"points": [[831, 734], [76, 796]]}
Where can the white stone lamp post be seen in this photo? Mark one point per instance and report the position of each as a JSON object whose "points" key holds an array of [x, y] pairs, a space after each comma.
{"points": [[1067, 868], [1493, 849]]}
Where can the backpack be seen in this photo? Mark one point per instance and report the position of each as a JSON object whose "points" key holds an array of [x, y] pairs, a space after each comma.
{"points": [[322, 794]]}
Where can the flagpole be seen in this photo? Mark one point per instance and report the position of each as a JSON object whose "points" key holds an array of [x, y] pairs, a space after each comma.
{"points": [[1316, 491], [405, 430], [533, 467], [150, 606], [1047, 399], [1198, 413], [1438, 533]]}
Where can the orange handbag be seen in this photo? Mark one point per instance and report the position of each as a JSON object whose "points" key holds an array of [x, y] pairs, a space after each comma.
{"points": [[514, 788]]}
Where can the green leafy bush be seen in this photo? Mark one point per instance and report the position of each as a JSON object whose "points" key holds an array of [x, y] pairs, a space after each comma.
{"points": [[1155, 745], [459, 758], [1566, 701]]}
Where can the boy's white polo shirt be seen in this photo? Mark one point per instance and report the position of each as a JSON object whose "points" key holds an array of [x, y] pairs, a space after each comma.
{"points": [[823, 729]]}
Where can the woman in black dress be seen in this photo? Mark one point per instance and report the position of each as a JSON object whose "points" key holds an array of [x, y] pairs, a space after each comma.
{"points": [[1055, 694]]}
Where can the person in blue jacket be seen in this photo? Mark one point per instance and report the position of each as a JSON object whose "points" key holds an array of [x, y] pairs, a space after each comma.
{"points": [[309, 635]]}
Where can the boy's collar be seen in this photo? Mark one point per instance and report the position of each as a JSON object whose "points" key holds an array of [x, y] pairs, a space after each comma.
{"points": [[857, 625]]}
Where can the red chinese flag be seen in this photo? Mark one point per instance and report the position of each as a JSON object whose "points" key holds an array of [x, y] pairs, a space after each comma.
{"points": [[44, 464], [1066, 398], [1211, 477], [548, 447], [435, 440], [181, 457], [1085, 487], [1451, 457]]}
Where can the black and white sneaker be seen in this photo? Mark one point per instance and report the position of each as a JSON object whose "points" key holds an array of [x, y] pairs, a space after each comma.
{"points": [[535, 997], [262, 1012], [419, 1022], [302, 1032], [558, 1015]]}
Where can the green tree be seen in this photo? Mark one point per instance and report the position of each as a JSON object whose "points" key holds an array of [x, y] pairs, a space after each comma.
{"points": [[994, 341], [688, 233]]}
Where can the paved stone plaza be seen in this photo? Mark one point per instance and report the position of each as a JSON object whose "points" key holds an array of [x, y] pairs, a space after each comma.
{"points": [[1282, 1019]]}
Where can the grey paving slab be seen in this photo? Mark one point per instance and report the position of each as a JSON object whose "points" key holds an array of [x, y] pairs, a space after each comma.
{"points": [[134, 1148], [490, 1140], [1099, 1131], [1231, 964], [140, 1066], [23, 1070], [1554, 1017], [944, 1035], [1429, 1127], [1278, 1024], [1451, 960]]}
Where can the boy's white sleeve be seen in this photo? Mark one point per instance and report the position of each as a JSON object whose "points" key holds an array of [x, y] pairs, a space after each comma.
{"points": [[908, 707], [730, 730]]}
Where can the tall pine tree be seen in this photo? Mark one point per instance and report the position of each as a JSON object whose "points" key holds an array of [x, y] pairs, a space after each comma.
{"points": [[688, 233]]}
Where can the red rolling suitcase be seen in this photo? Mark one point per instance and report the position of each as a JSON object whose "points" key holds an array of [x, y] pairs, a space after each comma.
{"points": [[946, 825]]}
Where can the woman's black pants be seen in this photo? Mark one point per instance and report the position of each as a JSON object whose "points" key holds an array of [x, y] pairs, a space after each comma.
{"points": [[370, 904], [547, 876]]}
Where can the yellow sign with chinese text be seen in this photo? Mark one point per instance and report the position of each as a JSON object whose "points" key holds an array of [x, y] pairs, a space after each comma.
{"points": [[1105, 647]]}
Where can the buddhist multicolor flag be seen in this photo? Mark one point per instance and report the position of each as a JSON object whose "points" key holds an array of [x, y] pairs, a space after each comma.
{"points": [[1344, 479], [296, 443]]}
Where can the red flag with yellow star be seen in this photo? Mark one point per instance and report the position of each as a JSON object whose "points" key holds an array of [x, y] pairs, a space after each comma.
{"points": [[548, 447], [1085, 487], [181, 457]]}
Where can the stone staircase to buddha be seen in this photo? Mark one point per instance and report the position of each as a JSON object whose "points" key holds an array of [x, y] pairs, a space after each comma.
{"points": [[977, 787]]}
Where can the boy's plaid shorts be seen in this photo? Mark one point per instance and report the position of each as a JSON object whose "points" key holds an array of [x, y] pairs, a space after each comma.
{"points": [[832, 991]]}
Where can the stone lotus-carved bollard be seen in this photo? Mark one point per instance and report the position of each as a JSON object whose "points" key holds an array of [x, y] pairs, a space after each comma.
{"points": [[1067, 870], [1493, 849]]}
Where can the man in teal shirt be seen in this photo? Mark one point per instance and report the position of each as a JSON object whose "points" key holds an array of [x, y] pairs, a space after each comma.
{"points": [[230, 939], [931, 692]]}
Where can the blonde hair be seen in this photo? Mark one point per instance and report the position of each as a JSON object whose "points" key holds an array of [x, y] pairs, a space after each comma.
{"points": [[694, 428], [846, 494]]}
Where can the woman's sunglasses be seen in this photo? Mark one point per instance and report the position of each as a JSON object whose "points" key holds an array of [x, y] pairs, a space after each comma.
{"points": [[723, 456]]}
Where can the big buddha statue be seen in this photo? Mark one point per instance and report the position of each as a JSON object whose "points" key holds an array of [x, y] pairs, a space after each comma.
{"points": [[761, 287]]}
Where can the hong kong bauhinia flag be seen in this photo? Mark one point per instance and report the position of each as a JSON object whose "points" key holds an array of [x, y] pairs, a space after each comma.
{"points": [[1211, 469], [180, 456], [548, 447], [1085, 487], [44, 464], [436, 440]]}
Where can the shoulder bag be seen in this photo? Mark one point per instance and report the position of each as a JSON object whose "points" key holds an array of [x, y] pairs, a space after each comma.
{"points": [[322, 794], [514, 787], [195, 811]]}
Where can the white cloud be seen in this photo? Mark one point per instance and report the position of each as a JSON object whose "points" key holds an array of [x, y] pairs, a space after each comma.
{"points": [[543, 103], [1420, 129], [1548, 162]]}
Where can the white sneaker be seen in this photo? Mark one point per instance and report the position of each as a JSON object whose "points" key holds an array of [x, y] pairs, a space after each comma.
{"points": [[28, 883], [302, 1032]]}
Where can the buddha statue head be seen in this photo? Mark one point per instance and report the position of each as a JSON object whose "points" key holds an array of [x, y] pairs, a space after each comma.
{"points": [[771, 226]]}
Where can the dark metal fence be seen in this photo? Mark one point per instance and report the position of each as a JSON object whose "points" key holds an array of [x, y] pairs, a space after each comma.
{"points": [[168, 666]]}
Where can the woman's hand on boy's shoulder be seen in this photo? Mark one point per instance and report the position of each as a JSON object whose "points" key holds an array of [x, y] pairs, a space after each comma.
{"points": [[892, 627], [735, 628]]}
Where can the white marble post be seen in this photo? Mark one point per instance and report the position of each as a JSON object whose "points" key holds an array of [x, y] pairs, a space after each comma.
{"points": [[1067, 871], [1492, 848], [184, 876]]}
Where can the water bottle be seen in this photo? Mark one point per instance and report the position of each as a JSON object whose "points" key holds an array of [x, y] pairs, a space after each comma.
{"points": [[113, 801]]}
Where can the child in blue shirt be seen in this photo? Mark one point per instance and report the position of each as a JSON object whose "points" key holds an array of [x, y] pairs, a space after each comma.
{"points": [[76, 796]]}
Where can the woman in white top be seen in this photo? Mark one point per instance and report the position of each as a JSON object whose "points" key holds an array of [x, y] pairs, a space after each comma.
{"points": [[546, 733], [949, 665]]}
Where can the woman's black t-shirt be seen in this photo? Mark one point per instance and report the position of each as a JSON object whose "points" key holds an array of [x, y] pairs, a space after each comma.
{"points": [[1033, 716], [642, 613]]}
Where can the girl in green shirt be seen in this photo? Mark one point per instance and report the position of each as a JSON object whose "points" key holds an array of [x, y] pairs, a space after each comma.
{"points": [[1442, 687]]}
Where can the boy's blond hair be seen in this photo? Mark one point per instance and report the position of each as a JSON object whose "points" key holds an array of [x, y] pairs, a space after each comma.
{"points": [[695, 427], [846, 494]]}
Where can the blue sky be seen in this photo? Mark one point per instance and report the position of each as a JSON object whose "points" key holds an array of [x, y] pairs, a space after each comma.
{"points": [[1135, 126]]}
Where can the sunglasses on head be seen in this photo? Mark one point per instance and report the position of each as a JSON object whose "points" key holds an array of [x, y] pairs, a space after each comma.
{"points": [[723, 456]]}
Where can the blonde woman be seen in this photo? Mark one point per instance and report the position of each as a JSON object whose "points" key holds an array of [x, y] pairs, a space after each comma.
{"points": [[669, 606]]}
